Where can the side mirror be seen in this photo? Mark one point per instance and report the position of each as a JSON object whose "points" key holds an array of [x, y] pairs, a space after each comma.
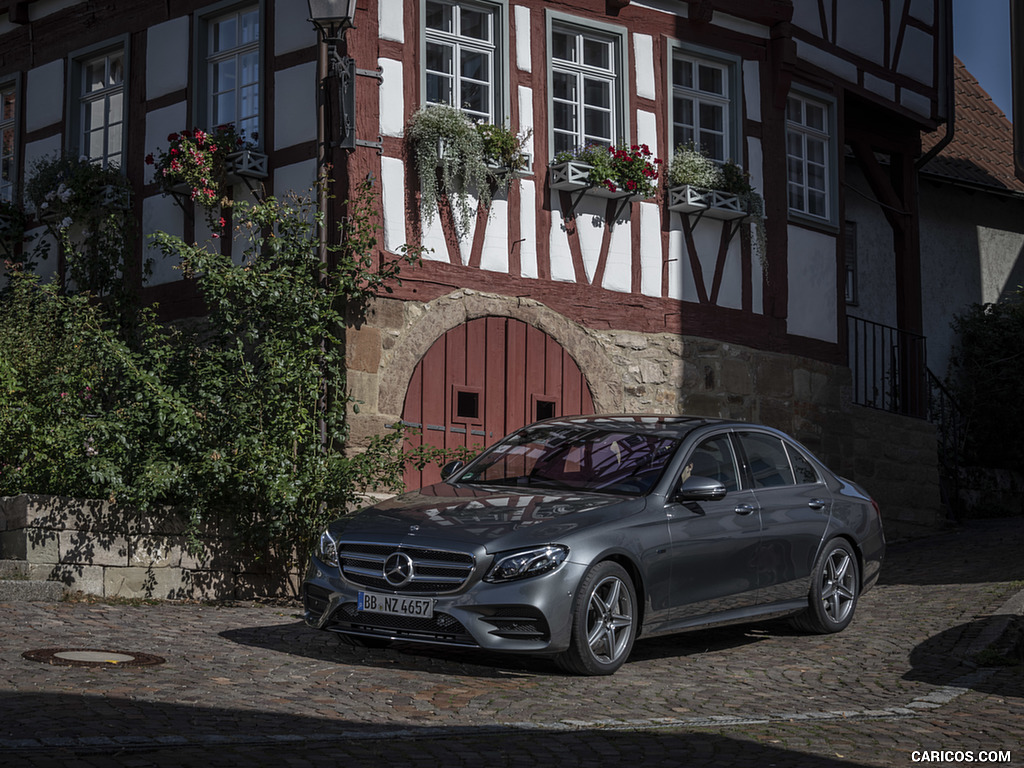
{"points": [[699, 488], [451, 468]]}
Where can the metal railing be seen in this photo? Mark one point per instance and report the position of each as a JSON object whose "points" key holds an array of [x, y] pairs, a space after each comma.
{"points": [[889, 368], [944, 411]]}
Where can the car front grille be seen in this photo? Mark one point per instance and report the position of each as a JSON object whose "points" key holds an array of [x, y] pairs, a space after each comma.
{"points": [[442, 628], [435, 571]]}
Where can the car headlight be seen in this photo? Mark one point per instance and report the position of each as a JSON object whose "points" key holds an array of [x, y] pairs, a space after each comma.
{"points": [[327, 549], [509, 566]]}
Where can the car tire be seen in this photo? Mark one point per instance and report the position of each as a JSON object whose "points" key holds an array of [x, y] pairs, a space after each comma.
{"points": [[603, 622], [835, 588]]}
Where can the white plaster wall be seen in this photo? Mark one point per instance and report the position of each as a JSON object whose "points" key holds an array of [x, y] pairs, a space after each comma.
{"points": [[916, 56], [295, 105], [44, 95], [526, 118], [292, 29], [494, 251], [812, 285], [528, 229], [392, 98], [643, 53], [561, 257], [161, 214], [618, 268], [523, 53], [876, 269], [752, 89], [166, 43], [650, 249], [972, 252], [160, 123], [391, 20], [392, 180], [860, 29], [647, 130], [38, 150], [297, 178]]}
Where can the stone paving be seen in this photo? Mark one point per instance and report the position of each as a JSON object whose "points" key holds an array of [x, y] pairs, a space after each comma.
{"points": [[251, 685]]}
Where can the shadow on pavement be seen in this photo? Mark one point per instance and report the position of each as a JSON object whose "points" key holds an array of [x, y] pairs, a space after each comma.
{"points": [[111, 731], [974, 552], [297, 639], [942, 659]]}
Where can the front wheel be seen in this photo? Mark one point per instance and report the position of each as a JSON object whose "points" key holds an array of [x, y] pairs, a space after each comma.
{"points": [[604, 622], [835, 587]]}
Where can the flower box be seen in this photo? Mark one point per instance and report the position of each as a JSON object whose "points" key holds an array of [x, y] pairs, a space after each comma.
{"points": [[574, 176], [246, 164], [712, 202]]}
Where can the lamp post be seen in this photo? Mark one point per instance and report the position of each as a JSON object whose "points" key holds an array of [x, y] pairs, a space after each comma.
{"points": [[332, 19]]}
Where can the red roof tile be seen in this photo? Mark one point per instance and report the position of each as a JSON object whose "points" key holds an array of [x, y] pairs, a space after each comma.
{"points": [[981, 151]]}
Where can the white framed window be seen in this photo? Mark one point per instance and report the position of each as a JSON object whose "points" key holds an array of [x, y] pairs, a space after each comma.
{"points": [[101, 107], [586, 86], [705, 105], [462, 54], [809, 162], [8, 134], [232, 58]]}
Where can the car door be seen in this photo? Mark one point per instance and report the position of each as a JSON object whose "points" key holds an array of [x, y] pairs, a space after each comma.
{"points": [[713, 544], [795, 505]]}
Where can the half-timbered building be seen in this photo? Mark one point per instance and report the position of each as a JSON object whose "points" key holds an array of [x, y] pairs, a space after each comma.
{"points": [[558, 298]]}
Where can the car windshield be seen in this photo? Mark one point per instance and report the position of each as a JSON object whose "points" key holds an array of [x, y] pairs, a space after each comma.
{"points": [[576, 457]]}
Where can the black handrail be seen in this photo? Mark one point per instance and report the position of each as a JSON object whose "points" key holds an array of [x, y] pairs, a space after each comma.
{"points": [[889, 368]]}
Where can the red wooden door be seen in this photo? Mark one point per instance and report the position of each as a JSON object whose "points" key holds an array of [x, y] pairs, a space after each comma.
{"points": [[484, 379]]}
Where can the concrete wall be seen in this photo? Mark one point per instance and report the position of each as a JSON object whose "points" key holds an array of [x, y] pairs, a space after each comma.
{"points": [[100, 549]]}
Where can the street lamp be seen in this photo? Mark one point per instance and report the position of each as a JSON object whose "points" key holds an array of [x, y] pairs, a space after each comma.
{"points": [[332, 19]]}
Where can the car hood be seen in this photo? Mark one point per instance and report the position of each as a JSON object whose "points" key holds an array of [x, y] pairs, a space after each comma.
{"points": [[489, 516]]}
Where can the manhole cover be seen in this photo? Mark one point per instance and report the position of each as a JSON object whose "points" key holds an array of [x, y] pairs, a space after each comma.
{"points": [[91, 657]]}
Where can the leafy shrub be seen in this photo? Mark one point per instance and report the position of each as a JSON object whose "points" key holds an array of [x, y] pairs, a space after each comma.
{"points": [[238, 418], [987, 377]]}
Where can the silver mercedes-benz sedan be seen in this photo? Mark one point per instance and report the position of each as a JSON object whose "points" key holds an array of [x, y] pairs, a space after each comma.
{"points": [[573, 537]]}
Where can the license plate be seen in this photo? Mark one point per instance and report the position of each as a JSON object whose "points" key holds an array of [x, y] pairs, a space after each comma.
{"points": [[395, 605]]}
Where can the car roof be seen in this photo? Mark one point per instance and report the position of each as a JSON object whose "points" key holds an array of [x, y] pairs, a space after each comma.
{"points": [[663, 425]]}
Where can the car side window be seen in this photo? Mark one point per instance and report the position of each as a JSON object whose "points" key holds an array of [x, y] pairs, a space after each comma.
{"points": [[766, 456], [802, 467], [713, 459]]}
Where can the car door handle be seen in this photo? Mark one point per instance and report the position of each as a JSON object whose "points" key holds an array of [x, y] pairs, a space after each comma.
{"points": [[816, 504], [744, 509]]}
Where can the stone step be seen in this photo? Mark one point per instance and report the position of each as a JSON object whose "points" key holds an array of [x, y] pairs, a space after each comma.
{"points": [[16, 586]]}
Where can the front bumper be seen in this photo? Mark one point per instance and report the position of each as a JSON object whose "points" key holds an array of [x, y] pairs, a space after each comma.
{"points": [[532, 615]]}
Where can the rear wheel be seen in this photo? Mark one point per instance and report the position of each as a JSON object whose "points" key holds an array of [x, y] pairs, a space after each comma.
{"points": [[604, 622], [834, 590]]}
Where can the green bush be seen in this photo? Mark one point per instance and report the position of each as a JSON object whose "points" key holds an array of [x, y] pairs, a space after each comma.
{"points": [[240, 417], [987, 377]]}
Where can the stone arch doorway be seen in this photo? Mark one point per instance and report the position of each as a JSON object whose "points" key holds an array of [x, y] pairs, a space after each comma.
{"points": [[485, 378]]}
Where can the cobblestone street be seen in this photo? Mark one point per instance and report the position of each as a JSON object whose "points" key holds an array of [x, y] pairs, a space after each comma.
{"points": [[251, 685]]}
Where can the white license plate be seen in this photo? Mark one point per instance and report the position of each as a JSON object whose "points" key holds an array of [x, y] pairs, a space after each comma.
{"points": [[396, 605]]}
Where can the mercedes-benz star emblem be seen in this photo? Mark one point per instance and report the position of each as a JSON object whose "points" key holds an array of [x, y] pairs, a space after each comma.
{"points": [[398, 569]]}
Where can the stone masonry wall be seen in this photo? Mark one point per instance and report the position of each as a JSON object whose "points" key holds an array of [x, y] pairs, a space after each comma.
{"points": [[893, 457], [99, 549]]}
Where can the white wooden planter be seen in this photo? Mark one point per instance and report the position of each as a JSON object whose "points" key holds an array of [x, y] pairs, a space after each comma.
{"points": [[247, 164], [574, 176], [710, 202]]}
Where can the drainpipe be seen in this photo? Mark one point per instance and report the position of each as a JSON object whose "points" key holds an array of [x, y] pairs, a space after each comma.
{"points": [[946, 51]]}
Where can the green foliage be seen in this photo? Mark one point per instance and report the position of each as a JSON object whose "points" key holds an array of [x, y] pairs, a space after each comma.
{"points": [[448, 153], [987, 378], [87, 208], [239, 418], [12, 227], [632, 169], [690, 165], [504, 153], [197, 161]]}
